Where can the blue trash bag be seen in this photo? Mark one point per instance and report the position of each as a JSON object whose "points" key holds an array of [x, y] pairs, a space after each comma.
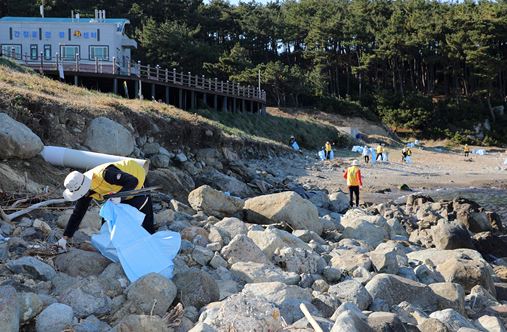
{"points": [[295, 146], [322, 155], [331, 155], [123, 239]]}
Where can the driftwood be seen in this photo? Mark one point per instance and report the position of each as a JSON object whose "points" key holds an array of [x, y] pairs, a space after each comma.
{"points": [[310, 318], [12, 216]]}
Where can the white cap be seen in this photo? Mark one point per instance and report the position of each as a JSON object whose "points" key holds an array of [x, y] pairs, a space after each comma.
{"points": [[355, 162], [77, 185]]}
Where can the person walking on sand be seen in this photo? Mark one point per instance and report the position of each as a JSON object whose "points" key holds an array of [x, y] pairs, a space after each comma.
{"points": [[366, 154], [354, 181], [466, 149], [328, 149], [380, 150], [404, 154]]}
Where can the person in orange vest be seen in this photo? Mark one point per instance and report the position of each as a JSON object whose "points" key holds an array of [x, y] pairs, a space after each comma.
{"points": [[354, 181], [328, 149], [105, 179], [466, 149]]}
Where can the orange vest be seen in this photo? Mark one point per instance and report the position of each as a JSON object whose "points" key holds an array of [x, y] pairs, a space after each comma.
{"points": [[352, 178], [101, 187]]}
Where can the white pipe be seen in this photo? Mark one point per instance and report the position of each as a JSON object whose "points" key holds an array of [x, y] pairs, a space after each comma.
{"points": [[60, 156]]}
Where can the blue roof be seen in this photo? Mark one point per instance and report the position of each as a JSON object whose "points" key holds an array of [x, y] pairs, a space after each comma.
{"points": [[62, 20]]}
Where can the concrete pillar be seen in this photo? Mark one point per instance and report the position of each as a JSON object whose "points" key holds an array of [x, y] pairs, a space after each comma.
{"points": [[224, 106], [153, 95], [167, 100], [136, 89], [234, 105], [204, 99], [180, 98], [192, 100], [243, 105], [115, 86], [215, 102], [76, 80], [251, 106]]}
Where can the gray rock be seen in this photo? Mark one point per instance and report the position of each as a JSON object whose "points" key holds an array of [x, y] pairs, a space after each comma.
{"points": [[32, 267], [299, 260], [113, 280], [451, 235], [287, 298], [56, 317], [351, 291], [150, 149], [196, 288], [347, 260], [320, 285], [363, 230], [87, 298], [338, 202], [30, 305], [202, 327], [173, 181], [449, 295], [452, 319], [243, 249], [350, 322], [160, 161], [348, 306], [394, 289], [152, 293], [10, 312], [17, 140], [235, 313], [427, 275], [180, 157], [181, 207], [490, 324], [224, 183], [82, 263], [384, 322], [286, 207], [202, 255], [214, 202], [468, 273], [432, 325], [384, 261], [91, 324], [107, 136], [217, 261], [304, 325], [251, 272], [332, 274], [143, 323], [230, 227], [271, 239]]}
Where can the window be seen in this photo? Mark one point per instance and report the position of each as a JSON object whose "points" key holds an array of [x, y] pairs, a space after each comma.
{"points": [[9, 49], [34, 50], [47, 52], [69, 52], [99, 52]]}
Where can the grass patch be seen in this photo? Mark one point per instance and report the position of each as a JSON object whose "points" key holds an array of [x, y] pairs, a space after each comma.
{"points": [[309, 133]]}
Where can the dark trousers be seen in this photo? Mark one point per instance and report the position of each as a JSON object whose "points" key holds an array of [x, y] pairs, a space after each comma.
{"points": [[466, 154], [328, 155], [145, 205], [354, 190], [379, 155], [366, 159]]}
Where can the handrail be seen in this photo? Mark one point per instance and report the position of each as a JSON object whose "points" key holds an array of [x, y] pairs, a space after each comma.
{"points": [[152, 73]]}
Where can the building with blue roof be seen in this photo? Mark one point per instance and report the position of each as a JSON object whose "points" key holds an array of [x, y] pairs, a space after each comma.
{"points": [[32, 39]]}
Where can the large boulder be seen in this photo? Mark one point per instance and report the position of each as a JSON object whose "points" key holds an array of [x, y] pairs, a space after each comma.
{"points": [[173, 181], [438, 256], [351, 291], [286, 207], [251, 272], [32, 267], [224, 183], [490, 245], [373, 231], [30, 305], [287, 298], [394, 289], [152, 294], [196, 288], [243, 249], [87, 297], [9, 309], [350, 322], [338, 201], [451, 235], [214, 202], [452, 319], [242, 312], [449, 295], [299, 260], [82, 263], [272, 239], [145, 323], [56, 317], [385, 321], [17, 140], [349, 260], [230, 227], [107, 136], [490, 324], [90, 224]]}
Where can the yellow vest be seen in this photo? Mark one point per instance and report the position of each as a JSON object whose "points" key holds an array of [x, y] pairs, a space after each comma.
{"points": [[380, 149], [466, 148], [328, 147], [352, 179], [101, 187]]}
